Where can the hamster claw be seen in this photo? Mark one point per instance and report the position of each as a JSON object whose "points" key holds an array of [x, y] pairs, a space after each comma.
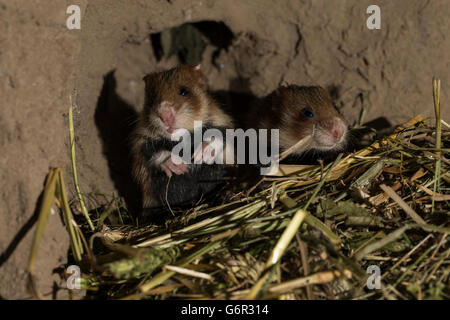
{"points": [[169, 167]]}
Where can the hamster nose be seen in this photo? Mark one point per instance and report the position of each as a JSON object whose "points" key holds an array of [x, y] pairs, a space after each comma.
{"points": [[338, 130], [167, 115]]}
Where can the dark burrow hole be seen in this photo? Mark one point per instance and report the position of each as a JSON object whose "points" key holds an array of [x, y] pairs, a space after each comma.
{"points": [[189, 41]]}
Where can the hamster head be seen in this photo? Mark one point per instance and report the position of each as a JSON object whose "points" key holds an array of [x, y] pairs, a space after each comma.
{"points": [[174, 99], [304, 111]]}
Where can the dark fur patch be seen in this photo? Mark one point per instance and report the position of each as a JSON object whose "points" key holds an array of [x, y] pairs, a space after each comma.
{"points": [[187, 188]]}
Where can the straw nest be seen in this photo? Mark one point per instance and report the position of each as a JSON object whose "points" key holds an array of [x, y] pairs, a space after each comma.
{"points": [[372, 224]]}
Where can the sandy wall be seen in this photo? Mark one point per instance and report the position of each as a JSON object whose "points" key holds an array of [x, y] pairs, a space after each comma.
{"points": [[386, 71]]}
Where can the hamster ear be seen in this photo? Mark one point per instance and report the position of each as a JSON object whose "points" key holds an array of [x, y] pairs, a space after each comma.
{"points": [[324, 93], [198, 73], [197, 69], [281, 89]]}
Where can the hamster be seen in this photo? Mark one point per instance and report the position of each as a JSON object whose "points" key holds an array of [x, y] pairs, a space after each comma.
{"points": [[174, 100], [299, 111]]}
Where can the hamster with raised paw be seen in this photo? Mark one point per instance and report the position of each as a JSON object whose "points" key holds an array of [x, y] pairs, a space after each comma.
{"points": [[174, 100]]}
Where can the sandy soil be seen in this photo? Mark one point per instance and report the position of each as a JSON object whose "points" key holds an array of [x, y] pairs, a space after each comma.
{"points": [[386, 71]]}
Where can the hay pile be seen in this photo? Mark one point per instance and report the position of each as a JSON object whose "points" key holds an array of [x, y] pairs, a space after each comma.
{"points": [[306, 232]]}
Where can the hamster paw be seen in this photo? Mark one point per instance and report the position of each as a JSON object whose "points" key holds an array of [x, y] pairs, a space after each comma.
{"points": [[206, 152], [169, 167]]}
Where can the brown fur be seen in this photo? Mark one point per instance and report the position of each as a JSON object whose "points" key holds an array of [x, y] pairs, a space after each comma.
{"points": [[282, 110], [198, 106]]}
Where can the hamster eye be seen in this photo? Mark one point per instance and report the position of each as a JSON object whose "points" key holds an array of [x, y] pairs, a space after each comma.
{"points": [[307, 112], [183, 91]]}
